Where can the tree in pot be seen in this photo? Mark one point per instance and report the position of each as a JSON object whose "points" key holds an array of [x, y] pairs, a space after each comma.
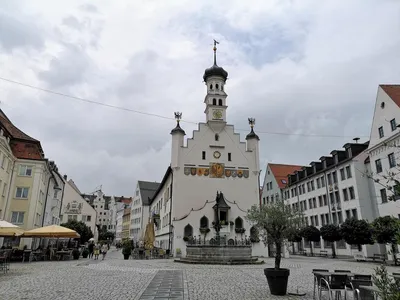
{"points": [[357, 232], [126, 249], [311, 234], [76, 253], [331, 233], [386, 230], [274, 222]]}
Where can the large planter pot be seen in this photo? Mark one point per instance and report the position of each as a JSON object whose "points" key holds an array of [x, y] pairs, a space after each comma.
{"points": [[277, 280], [126, 256]]}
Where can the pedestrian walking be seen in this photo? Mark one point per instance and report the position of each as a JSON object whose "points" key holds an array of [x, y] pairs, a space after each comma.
{"points": [[91, 249], [104, 249]]}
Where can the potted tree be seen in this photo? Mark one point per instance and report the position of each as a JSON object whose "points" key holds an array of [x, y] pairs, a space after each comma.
{"points": [[311, 234], [357, 232], [85, 253], [76, 253], [274, 222], [386, 230], [331, 233], [126, 249]]}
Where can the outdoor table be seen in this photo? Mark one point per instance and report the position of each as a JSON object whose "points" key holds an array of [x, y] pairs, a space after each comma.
{"points": [[335, 273]]}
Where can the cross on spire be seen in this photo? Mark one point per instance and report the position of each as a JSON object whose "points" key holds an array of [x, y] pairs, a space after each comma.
{"points": [[215, 51]]}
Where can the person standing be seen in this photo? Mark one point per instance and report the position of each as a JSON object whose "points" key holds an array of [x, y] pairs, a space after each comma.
{"points": [[96, 251], [104, 250], [91, 249]]}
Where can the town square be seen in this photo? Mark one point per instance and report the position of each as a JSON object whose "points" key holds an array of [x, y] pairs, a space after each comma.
{"points": [[199, 150]]}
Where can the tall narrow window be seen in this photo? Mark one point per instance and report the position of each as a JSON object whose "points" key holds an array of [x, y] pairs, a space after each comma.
{"points": [[217, 137], [392, 160], [217, 86], [381, 133], [229, 156], [393, 124], [214, 101], [378, 165], [203, 155], [211, 86], [220, 102]]}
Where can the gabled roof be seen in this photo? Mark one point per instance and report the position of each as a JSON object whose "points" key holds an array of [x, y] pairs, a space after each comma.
{"points": [[147, 190], [73, 185], [393, 91], [163, 181], [281, 172], [13, 130]]}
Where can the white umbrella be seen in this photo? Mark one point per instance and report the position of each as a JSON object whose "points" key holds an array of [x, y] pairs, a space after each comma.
{"points": [[91, 240], [9, 229]]}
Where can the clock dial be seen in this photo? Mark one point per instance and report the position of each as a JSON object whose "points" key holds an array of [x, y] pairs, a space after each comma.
{"points": [[217, 114], [217, 154]]}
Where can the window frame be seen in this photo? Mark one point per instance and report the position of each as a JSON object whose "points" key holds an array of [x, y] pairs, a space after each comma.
{"points": [[21, 194]]}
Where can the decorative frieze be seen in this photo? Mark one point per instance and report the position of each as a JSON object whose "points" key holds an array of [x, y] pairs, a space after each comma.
{"points": [[216, 170]]}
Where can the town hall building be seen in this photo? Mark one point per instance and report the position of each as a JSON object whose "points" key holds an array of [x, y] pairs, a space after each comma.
{"points": [[213, 166]]}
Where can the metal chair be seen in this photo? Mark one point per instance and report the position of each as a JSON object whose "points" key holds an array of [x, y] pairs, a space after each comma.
{"points": [[317, 279], [361, 294], [337, 284], [354, 285]]}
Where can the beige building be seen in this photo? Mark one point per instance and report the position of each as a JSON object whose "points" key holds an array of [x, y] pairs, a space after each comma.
{"points": [[7, 161], [75, 207]]}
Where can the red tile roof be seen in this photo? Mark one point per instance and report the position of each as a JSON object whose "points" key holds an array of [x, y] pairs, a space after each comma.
{"points": [[281, 172], [393, 91], [22, 145]]}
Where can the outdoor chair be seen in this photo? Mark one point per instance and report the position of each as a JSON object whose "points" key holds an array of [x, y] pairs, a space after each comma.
{"points": [[348, 278], [336, 284], [317, 280], [361, 294]]}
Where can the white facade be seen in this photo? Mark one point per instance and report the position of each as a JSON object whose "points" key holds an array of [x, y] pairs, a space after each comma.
{"points": [[213, 160], [140, 208], [333, 190], [384, 147], [75, 207], [105, 207], [54, 196], [120, 213]]}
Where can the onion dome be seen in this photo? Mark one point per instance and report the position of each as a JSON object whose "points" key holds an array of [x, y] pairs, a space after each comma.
{"points": [[252, 134], [178, 129], [215, 70]]}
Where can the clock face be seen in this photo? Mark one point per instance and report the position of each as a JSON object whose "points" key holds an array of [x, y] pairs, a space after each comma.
{"points": [[217, 154], [217, 114]]}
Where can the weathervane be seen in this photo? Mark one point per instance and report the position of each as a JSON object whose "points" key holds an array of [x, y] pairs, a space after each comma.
{"points": [[215, 51], [178, 116], [252, 122]]}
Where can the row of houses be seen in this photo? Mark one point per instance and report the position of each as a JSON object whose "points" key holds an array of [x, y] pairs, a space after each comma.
{"points": [[356, 181]]}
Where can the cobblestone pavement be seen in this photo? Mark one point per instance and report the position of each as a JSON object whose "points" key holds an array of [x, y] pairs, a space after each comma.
{"points": [[115, 278]]}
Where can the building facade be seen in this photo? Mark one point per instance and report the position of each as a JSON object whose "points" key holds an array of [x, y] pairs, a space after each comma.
{"points": [[75, 207], [126, 222], [213, 165], [275, 181], [334, 189], [140, 208], [384, 149]]}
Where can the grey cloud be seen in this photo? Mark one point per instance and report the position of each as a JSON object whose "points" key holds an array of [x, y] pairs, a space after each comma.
{"points": [[89, 8], [16, 33], [72, 22], [68, 68]]}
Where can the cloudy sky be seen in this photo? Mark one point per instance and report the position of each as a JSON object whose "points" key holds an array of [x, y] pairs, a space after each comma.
{"points": [[300, 67]]}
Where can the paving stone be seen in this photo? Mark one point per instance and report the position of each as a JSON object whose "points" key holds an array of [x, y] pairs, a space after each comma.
{"points": [[115, 278]]}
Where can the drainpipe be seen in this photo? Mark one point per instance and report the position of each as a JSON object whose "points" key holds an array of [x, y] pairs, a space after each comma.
{"points": [[170, 216], [9, 190]]}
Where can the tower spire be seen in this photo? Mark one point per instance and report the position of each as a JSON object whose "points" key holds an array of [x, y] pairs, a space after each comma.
{"points": [[215, 51]]}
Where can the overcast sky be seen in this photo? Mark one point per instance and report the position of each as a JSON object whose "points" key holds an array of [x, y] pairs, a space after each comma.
{"points": [[301, 67]]}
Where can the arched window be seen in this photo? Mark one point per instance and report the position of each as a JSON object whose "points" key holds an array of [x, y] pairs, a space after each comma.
{"points": [[222, 87], [217, 137], [204, 222], [238, 222], [211, 86], [188, 231], [214, 101], [220, 102], [217, 86]]}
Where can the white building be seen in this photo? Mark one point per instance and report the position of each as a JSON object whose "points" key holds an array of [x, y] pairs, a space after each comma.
{"points": [[214, 160], [275, 181], [75, 207], [120, 206], [332, 190], [54, 195], [140, 207], [384, 148]]}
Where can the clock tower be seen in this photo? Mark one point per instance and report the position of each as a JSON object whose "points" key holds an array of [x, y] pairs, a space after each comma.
{"points": [[215, 100]]}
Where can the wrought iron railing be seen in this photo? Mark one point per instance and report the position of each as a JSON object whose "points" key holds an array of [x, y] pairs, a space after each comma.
{"points": [[221, 241]]}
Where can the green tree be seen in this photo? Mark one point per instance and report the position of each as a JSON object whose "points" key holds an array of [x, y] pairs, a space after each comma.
{"points": [[274, 222], [389, 288], [294, 236], [331, 233], [386, 230], [311, 234], [357, 232], [80, 227]]}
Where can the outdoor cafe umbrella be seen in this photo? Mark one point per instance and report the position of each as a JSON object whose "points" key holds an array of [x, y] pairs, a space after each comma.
{"points": [[8, 229], [149, 236], [52, 231]]}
